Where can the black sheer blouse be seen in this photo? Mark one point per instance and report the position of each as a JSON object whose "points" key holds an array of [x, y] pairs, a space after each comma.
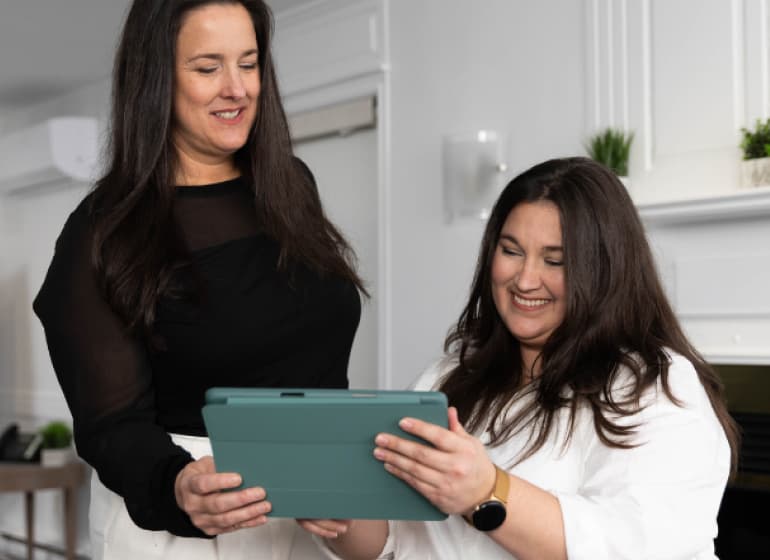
{"points": [[252, 326]]}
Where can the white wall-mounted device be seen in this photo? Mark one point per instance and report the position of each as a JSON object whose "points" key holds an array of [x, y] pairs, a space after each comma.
{"points": [[57, 152]]}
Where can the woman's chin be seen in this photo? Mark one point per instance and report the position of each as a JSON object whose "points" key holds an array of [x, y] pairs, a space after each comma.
{"points": [[231, 146]]}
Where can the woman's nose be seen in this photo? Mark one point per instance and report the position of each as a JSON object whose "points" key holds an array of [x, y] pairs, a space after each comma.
{"points": [[528, 276], [233, 87]]}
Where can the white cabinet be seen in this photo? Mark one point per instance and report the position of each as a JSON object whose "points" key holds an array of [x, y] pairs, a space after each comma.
{"points": [[685, 76]]}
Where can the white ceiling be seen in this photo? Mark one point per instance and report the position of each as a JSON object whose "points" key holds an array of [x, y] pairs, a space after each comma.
{"points": [[48, 47]]}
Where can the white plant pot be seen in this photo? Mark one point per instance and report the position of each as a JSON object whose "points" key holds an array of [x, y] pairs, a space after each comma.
{"points": [[57, 457], [755, 172], [626, 183]]}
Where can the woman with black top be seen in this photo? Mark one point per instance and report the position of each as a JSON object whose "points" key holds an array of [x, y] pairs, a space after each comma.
{"points": [[202, 257]]}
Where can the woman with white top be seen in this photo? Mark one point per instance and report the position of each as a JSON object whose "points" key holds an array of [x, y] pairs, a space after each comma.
{"points": [[583, 423]]}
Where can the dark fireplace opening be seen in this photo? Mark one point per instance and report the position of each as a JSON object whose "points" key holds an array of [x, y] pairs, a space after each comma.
{"points": [[744, 515]]}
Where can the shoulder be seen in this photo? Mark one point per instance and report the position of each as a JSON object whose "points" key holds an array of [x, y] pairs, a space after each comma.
{"points": [[682, 379], [686, 386], [303, 168], [70, 270], [683, 437], [305, 172], [306, 177], [76, 233], [682, 373], [656, 412]]}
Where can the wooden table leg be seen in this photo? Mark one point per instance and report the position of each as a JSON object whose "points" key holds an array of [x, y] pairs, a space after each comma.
{"points": [[70, 522], [30, 510]]}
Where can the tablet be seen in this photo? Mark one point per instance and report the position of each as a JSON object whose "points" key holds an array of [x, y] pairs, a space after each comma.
{"points": [[311, 449]]}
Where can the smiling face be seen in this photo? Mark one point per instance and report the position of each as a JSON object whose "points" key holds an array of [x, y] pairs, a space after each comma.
{"points": [[216, 85], [527, 275]]}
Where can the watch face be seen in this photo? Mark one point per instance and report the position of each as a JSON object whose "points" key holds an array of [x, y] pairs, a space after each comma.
{"points": [[489, 516]]}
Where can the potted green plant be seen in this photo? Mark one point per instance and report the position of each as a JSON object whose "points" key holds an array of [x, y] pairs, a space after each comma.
{"points": [[755, 144], [611, 147], [57, 444]]}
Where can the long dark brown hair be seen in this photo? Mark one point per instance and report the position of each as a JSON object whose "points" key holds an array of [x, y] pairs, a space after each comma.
{"points": [[617, 317], [135, 249]]}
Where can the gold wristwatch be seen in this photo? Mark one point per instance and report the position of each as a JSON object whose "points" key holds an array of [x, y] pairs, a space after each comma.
{"points": [[490, 514]]}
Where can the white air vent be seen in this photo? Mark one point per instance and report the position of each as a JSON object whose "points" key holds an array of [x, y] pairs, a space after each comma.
{"points": [[57, 152]]}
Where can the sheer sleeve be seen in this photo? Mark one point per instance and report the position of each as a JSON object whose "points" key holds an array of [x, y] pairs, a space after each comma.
{"points": [[107, 381]]}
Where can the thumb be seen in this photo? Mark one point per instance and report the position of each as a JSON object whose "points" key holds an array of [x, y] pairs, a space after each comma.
{"points": [[206, 464], [454, 422]]}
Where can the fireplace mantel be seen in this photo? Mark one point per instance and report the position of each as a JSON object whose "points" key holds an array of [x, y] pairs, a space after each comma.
{"points": [[742, 204], [713, 255]]}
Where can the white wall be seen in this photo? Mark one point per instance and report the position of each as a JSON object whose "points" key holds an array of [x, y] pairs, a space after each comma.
{"points": [[31, 223], [459, 65], [29, 392], [683, 76]]}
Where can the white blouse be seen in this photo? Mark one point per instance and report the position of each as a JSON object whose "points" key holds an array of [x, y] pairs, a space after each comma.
{"points": [[655, 501]]}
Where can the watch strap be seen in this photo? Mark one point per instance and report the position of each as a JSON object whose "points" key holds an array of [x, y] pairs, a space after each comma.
{"points": [[502, 485], [499, 492]]}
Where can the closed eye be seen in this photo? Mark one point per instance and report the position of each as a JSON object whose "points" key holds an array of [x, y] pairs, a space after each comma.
{"points": [[510, 251]]}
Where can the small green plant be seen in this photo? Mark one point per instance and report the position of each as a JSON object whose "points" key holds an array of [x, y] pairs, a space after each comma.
{"points": [[756, 143], [611, 147], [56, 435]]}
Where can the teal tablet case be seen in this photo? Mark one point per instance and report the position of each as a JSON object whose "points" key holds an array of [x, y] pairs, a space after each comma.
{"points": [[311, 449]]}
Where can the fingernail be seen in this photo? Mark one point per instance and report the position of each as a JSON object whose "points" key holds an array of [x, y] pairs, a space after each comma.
{"points": [[381, 440], [405, 423], [234, 480], [379, 453]]}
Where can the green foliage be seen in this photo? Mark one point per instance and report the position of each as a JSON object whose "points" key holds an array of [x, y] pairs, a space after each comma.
{"points": [[756, 143], [56, 435], [611, 147]]}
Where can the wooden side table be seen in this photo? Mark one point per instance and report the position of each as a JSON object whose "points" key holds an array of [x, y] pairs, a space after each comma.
{"points": [[29, 477]]}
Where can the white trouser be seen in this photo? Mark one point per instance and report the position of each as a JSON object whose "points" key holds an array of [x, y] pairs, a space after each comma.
{"points": [[115, 537]]}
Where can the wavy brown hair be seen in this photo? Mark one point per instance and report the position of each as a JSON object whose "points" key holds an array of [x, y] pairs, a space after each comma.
{"points": [[617, 318], [135, 246]]}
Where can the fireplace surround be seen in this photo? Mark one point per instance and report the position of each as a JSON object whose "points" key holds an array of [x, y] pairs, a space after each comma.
{"points": [[714, 259], [744, 522]]}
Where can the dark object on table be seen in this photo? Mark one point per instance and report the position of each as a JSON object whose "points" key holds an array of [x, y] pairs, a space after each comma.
{"points": [[16, 446]]}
